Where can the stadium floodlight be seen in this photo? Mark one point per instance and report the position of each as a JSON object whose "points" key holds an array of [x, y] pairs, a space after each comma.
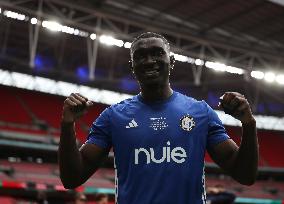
{"points": [[93, 36], [14, 15], [234, 70], [190, 60], [180, 58], [76, 32], [127, 45], [33, 21], [269, 77], [83, 33], [209, 64], [52, 25], [217, 66], [257, 74], [67, 29], [280, 79], [199, 62], [56, 27], [109, 40]]}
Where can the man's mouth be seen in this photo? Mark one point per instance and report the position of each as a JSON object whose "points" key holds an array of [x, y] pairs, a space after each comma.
{"points": [[151, 73]]}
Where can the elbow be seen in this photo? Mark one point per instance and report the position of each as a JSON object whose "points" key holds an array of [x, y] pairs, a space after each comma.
{"points": [[247, 178], [247, 181], [69, 184]]}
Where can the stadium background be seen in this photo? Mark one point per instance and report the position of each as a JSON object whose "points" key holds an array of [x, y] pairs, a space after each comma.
{"points": [[51, 48]]}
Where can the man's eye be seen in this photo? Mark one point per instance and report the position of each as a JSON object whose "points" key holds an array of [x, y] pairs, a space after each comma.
{"points": [[138, 57], [159, 53]]}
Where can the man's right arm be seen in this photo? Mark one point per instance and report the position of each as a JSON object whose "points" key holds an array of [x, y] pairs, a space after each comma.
{"points": [[76, 165]]}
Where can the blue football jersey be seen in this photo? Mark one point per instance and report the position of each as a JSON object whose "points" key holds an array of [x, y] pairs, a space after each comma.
{"points": [[159, 148]]}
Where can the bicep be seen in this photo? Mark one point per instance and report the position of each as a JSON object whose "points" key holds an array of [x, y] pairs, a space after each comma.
{"points": [[224, 154], [92, 157]]}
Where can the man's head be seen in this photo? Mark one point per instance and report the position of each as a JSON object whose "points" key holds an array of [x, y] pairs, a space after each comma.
{"points": [[150, 59], [80, 198], [149, 35], [101, 198]]}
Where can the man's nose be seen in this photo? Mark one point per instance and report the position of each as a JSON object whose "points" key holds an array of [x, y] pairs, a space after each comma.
{"points": [[149, 59]]}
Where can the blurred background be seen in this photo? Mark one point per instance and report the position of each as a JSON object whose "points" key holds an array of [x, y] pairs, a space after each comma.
{"points": [[50, 48]]}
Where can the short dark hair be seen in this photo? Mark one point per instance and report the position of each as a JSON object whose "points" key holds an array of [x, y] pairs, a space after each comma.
{"points": [[149, 35]]}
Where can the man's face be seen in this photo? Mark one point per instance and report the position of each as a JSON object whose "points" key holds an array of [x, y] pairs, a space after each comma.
{"points": [[151, 61], [103, 201], [81, 200]]}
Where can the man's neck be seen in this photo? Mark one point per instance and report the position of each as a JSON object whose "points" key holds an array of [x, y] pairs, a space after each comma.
{"points": [[156, 93]]}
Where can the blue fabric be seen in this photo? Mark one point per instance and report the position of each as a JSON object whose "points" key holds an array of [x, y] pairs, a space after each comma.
{"points": [[159, 148]]}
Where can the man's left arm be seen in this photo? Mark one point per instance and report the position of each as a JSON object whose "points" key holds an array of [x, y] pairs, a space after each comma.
{"points": [[239, 162]]}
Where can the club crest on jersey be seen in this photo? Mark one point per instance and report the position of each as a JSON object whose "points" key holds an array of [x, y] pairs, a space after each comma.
{"points": [[187, 123]]}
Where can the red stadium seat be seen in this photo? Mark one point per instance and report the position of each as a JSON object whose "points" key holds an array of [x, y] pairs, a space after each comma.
{"points": [[12, 110]]}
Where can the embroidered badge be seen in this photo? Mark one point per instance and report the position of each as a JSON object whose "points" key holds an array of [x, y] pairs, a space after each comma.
{"points": [[187, 123]]}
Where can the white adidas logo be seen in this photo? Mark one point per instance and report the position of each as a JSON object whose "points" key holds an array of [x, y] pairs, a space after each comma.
{"points": [[132, 124]]}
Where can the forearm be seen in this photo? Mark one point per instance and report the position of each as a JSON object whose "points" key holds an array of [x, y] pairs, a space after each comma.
{"points": [[70, 161], [245, 166]]}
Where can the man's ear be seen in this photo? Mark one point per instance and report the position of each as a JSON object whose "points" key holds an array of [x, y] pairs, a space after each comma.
{"points": [[172, 61], [130, 66]]}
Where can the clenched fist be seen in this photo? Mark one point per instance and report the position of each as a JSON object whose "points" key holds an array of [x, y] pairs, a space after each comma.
{"points": [[236, 105], [74, 107]]}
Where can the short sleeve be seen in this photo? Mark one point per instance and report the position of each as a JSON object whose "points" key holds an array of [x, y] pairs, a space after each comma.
{"points": [[100, 132], [216, 129]]}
